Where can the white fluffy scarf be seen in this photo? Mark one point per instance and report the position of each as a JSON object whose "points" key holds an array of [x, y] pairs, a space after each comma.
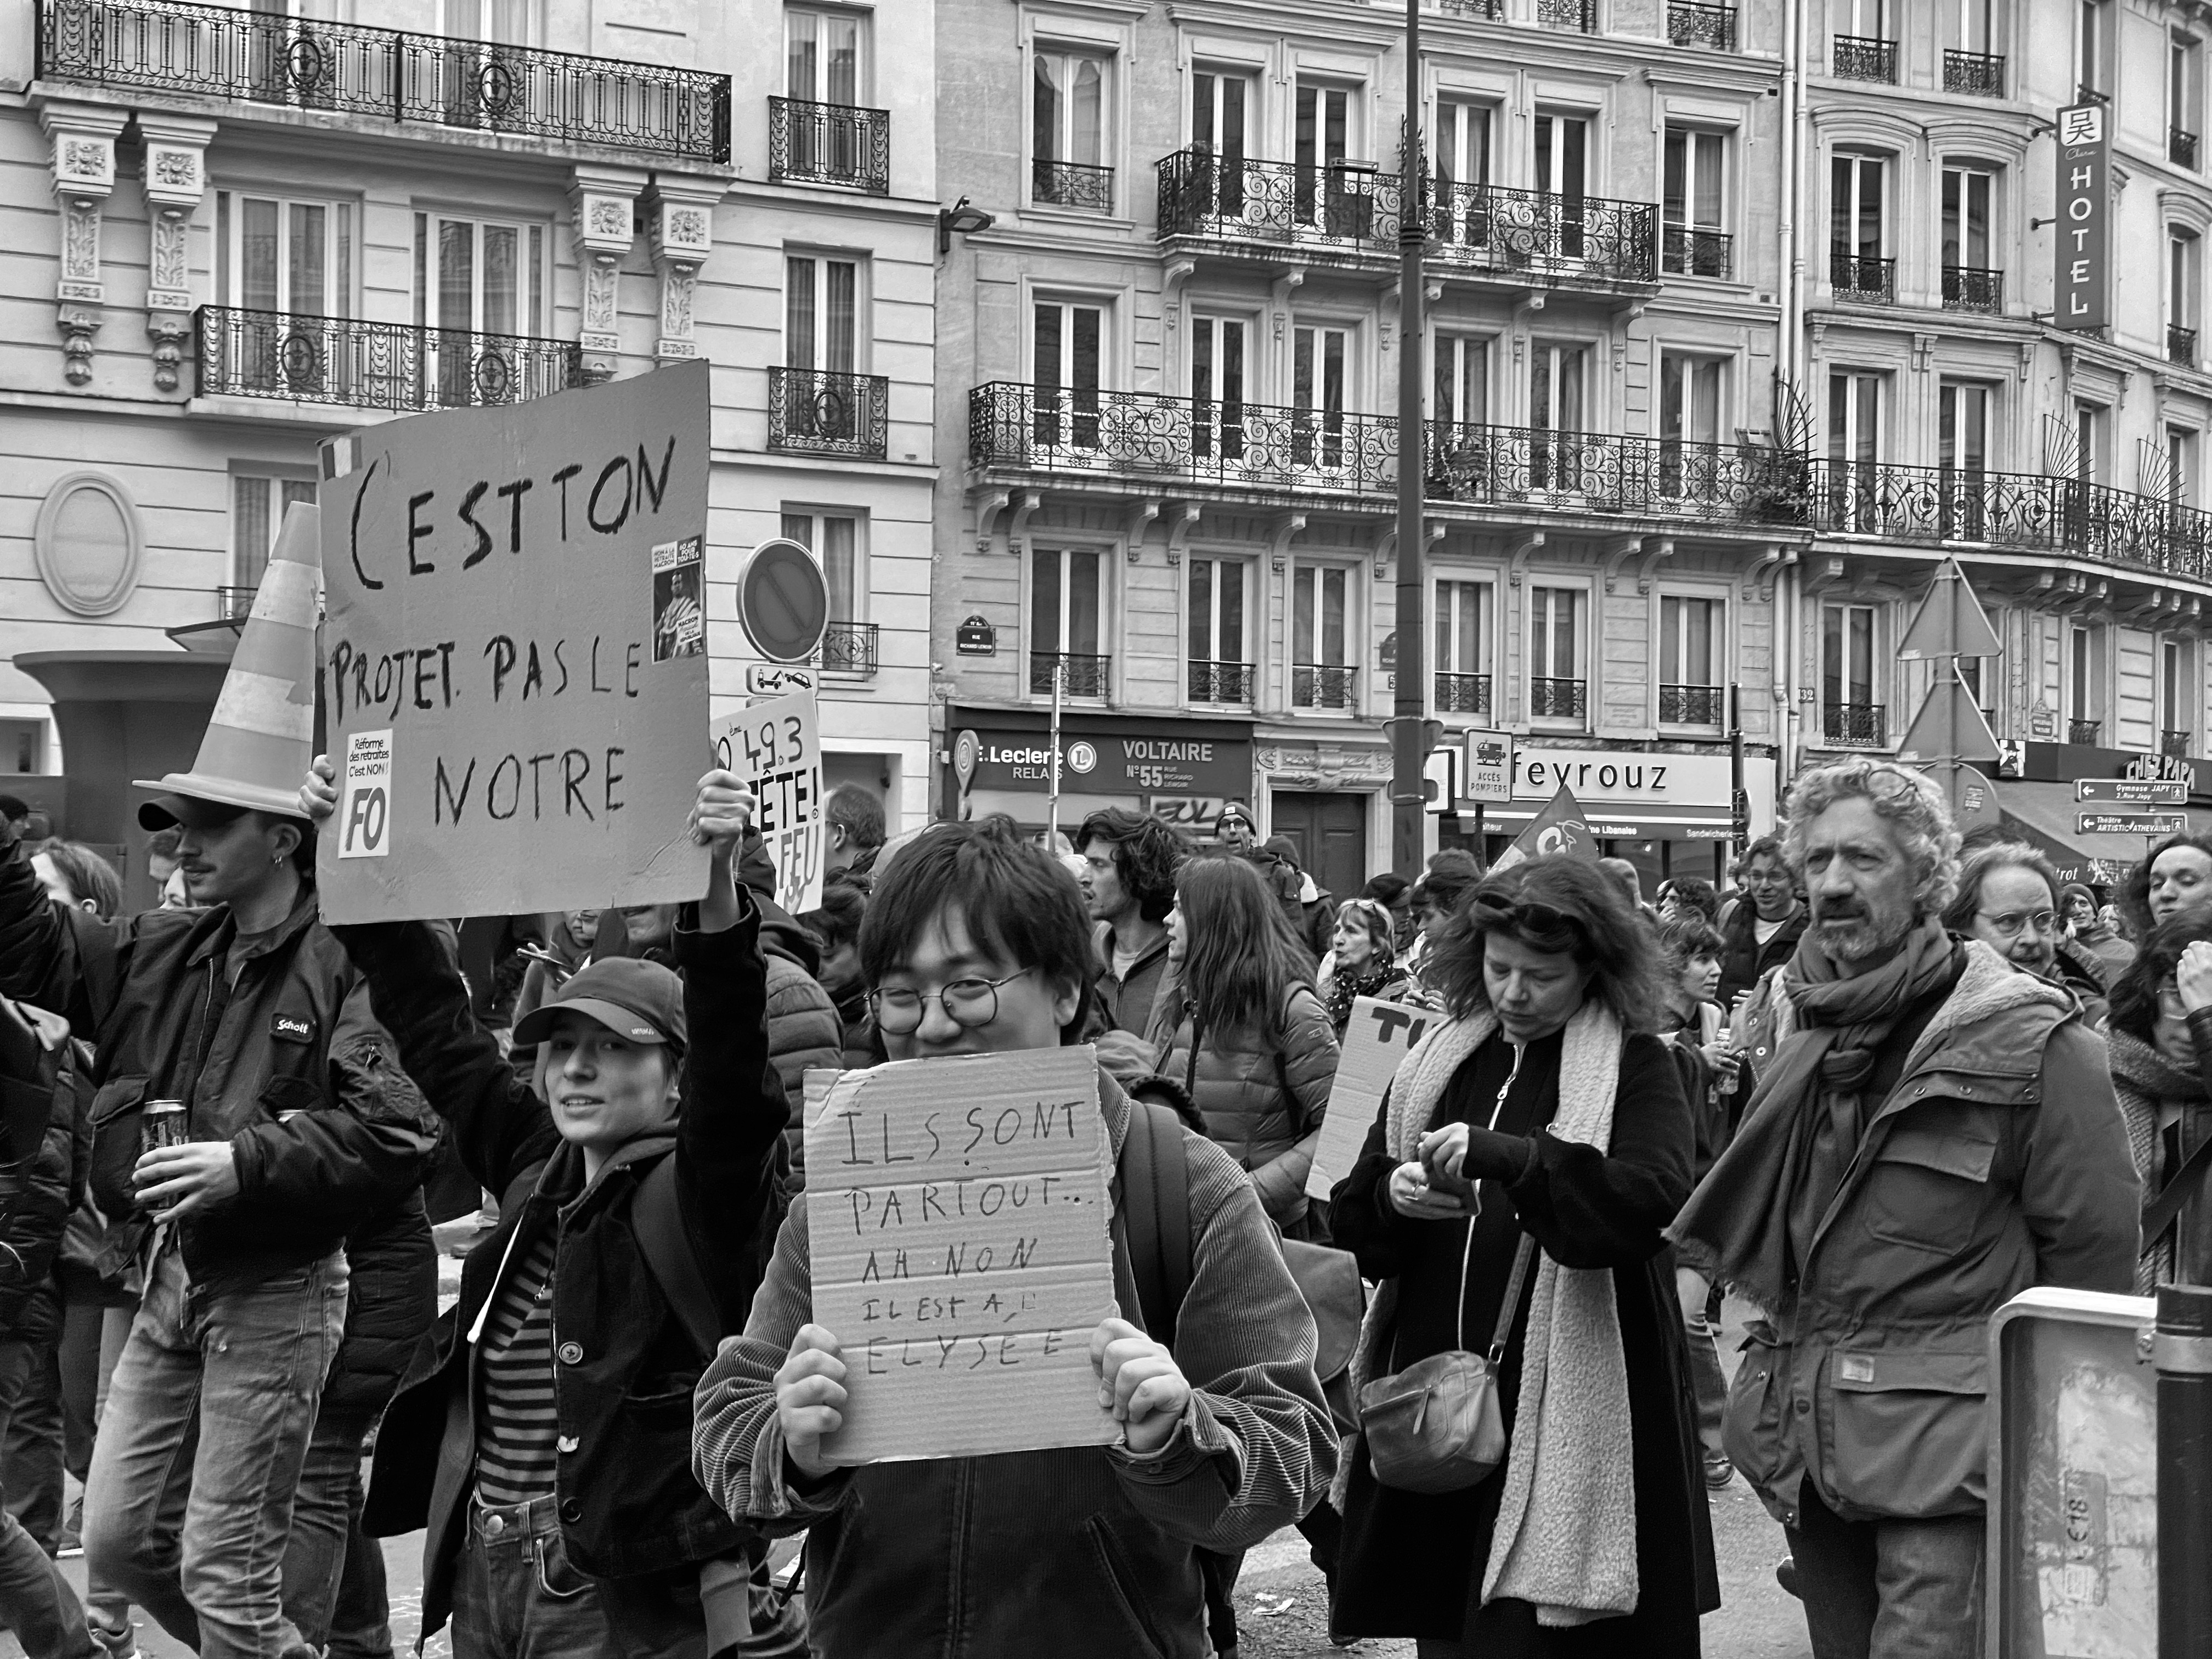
{"points": [[1565, 1536]]}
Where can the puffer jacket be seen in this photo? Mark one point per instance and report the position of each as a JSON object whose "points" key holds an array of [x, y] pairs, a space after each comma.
{"points": [[1998, 1162], [285, 1062], [1744, 960], [391, 1300], [43, 1077], [803, 1031], [1263, 1094]]}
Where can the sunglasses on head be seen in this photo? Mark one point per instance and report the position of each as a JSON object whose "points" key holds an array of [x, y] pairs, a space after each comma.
{"points": [[1532, 915]]}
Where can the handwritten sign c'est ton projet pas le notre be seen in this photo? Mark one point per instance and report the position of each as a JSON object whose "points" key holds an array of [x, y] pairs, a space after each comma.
{"points": [[957, 1219]]}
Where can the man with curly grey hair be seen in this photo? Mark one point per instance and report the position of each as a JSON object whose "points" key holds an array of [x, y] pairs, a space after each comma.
{"points": [[1935, 1133]]}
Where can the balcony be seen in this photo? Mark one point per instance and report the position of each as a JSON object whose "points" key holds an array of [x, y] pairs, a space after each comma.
{"points": [[1855, 57], [1537, 232], [1689, 24], [1072, 185], [2083, 731], [2175, 744], [1464, 694], [233, 604], [1863, 277], [1852, 725], [849, 647], [1692, 704], [263, 57], [843, 144], [2180, 148], [1579, 15], [1234, 198], [1559, 700], [1221, 682], [1615, 474], [819, 411], [364, 365], [2181, 345], [1968, 287], [1324, 686], [1694, 250], [1079, 676], [1489, 11], [1976, 74]]}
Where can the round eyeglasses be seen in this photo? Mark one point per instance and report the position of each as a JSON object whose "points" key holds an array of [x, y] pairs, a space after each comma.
{"points": [[967, 1002]]}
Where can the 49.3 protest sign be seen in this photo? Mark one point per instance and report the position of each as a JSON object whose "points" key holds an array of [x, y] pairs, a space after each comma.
{"points": [[514, 669], [775, 748]]}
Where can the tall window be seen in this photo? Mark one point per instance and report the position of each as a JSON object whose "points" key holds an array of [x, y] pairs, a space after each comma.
{"points": [[1856, 208], [1966, 192], [1963, 455], [1066, 349], [1562, 155], [822, 55], [1319, 141], [1556, 685], [2091, 463], [1462, 648], [1855, 444], [1067, 611], [1689, 423], [820, 298], [2082, 698], [278, 253], [2183, 280], [1220, 103], [1461, 388], [1068, 131], [1847, 679], [2181, 465], [1321, 667], [1317, 387], [1692, 202], [1217, 386], [1462, 161], [1868, 19], [834, 539], [258, 507], [2181, 95], [505, 21], [1220, 665], [1557, 373], [2177, 703], [1689, 680], [475, 278], [1970, 24]]}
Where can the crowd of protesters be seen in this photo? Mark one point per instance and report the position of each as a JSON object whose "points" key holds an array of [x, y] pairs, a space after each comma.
{"points": [[1861, 1095]]}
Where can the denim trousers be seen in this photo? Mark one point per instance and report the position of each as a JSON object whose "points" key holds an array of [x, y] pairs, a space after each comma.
{"points": [[334, 1588], [1889, 1589], [34, 1602], [211, 1408]]}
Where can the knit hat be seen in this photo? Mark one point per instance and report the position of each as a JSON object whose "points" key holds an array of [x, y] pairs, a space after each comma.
{"points": [[260, 740], [2066, 896]]}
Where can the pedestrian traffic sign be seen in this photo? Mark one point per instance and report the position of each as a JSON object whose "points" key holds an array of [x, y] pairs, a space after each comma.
{"points": [[2128, 792], [2129, 823], [1950, 623], [1950, 725]]}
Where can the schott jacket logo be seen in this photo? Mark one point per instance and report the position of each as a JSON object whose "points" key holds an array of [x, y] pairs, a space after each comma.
{"points": [[290, 1028]]}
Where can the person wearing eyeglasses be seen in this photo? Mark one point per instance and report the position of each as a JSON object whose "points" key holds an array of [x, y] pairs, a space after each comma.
{"points": [[2007, 898], [976, 943], [1542, 1116], [1762, 933]]}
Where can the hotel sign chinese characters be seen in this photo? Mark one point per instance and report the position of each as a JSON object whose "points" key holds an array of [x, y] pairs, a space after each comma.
{"points": [[2082, 234]]}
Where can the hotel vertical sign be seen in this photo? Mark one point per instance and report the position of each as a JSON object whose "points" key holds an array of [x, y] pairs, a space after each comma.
{"points": [[2083, 232]]}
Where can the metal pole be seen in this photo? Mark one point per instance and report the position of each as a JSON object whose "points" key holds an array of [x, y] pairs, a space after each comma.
{"points": [[2181, 1348], [1052, 800], [1408, 728], [1739, 815]]}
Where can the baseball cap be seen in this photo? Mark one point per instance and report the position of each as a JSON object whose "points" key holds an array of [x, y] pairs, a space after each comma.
{"points": [[642, 1001]]}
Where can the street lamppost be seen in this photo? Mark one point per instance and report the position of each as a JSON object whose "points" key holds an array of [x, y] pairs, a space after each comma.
{"points": [[1409, 727]]}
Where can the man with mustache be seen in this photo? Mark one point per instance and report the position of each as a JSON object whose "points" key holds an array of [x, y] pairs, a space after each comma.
{"points": [[1935, 1133]]}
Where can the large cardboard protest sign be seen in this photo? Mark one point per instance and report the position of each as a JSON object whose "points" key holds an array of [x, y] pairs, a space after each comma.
{"points": [[514, 664], [1378, 1036], [957, 1214], [775, 747]]}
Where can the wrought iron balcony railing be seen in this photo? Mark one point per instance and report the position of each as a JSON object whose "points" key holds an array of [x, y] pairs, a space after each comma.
{"points": [[1489, 10], [1977, 74], [1322, 685], [1691, 24], [1499, 229], [1221, 682], [1853, 725], [1346, 203], [1462, 694], [819, 411], [2175, 744], [1080, 675], [1855, 57], [364, 365], [1616, 473], [848, 647], [1558, 699], [1968, 288], [1694, 251], [2181, 345], [1692, 704], [1580, 15], [233, 604], [2181, 147], [1862, 277], [1072, 185], [2083, 731], [262, 56], [812, 143]]}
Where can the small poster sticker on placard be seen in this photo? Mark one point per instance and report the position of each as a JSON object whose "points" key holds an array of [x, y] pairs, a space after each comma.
{"points": [[365, 810], [775, 748], [958, 1217], [679, 598], [1378, 1035]]}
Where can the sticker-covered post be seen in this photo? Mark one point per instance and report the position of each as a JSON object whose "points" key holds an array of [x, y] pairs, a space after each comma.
{"points": [[514, 654]]}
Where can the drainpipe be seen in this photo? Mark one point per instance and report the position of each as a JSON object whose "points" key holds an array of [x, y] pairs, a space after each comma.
{"points": [[1786, 232]]}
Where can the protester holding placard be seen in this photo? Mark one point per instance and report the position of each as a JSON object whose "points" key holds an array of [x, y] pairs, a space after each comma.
{"points": [[977, 944], [547, 1449]]}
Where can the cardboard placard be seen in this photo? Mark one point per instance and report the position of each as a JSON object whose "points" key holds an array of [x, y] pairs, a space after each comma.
{"points": [[957, 1213], [514, 666], [775, 748], [1378, 1036]]}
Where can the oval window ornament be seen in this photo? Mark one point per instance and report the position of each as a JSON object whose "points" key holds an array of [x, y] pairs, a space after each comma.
{"points": [[88, 543], [783, 603]]}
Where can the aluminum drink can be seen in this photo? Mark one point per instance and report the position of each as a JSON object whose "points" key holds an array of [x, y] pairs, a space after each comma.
{"points": [[165, 1125]]}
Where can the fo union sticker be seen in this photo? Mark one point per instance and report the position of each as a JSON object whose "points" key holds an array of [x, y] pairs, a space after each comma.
{"points": [[365, 804]]}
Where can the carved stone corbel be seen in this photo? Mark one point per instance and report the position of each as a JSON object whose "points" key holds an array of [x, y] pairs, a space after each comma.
{"points": [[83, 178], [1017, 528], [1282, 531], [1141, 514], [1517, 566], [1661, 548], [1180, 527], [602, 201], [988, 507], [681, 228], [176, 180], [1617, 552]]}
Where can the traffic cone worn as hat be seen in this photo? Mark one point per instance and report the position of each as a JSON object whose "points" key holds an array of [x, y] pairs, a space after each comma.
{"points": [[260, 739]]}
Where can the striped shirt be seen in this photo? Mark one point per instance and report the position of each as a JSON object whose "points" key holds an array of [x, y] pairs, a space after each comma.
{"points": [[518, 1429]]}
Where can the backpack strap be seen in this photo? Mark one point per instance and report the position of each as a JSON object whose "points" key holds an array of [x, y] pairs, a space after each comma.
{"points": [[1156, 1214], [659, 1223]]}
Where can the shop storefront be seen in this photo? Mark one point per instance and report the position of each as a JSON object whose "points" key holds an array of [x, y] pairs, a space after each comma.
{"points": [[2036, 799], [1001, 759]]}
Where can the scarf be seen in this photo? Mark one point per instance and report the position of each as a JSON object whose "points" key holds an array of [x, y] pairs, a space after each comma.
{"points": [[1735, 1228], [1343, 987], [1564, 1539], [2143, 1081]]}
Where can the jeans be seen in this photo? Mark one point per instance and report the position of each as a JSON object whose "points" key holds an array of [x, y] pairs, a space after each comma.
{"points": [[1889, 1589], [245, 1362], [326, 1536], [515, 1595], [55, 1421], [34, 1602]]}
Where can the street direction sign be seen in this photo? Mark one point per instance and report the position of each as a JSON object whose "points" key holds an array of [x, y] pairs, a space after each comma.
{"points": [[2127, 792], [1950, 623], [2129, 823]]}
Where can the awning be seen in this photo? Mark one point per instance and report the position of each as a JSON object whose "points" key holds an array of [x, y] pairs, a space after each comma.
{"points": [[1650, 822], [2043, 815]]}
